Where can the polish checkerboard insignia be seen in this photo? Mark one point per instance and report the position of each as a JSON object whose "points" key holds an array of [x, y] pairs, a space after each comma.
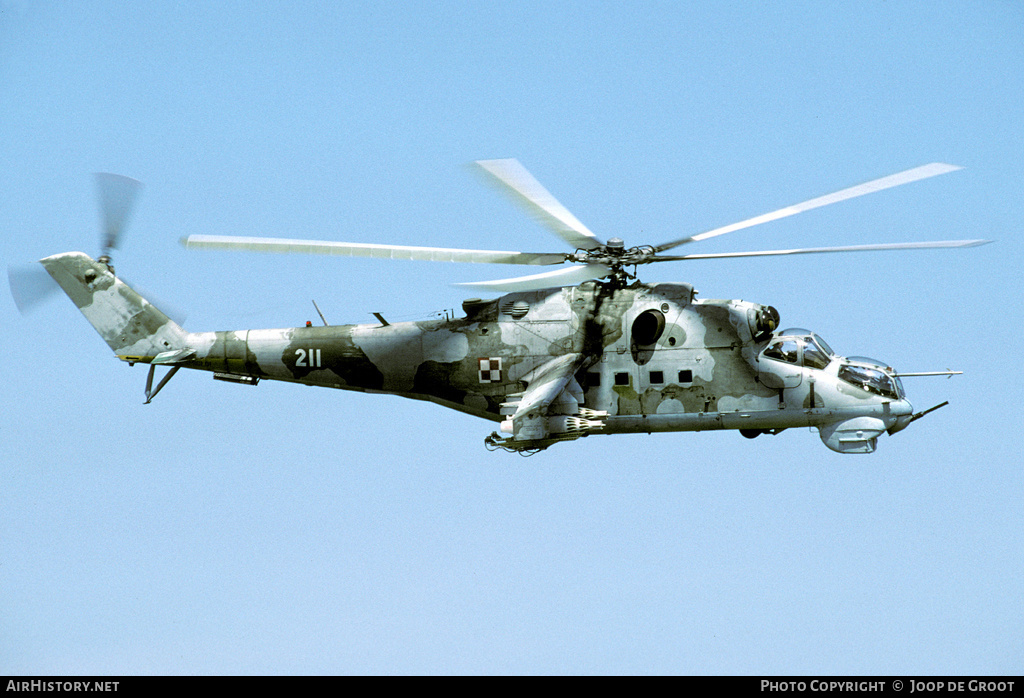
{"points": [[490, 370]]}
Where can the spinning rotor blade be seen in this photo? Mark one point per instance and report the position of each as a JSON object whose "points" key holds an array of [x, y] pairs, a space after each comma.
{"points": [[905, 177], [117, 197], [575, 274], [594, 258], [819, 250], [360, 249], [30, 286], [540, 203]]}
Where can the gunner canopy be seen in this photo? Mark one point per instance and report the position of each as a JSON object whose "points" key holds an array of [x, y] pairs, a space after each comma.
{"points": [[872, 376]]}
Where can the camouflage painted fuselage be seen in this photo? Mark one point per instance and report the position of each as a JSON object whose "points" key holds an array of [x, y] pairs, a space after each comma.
{"points": [[549, 365], [477, 363]]}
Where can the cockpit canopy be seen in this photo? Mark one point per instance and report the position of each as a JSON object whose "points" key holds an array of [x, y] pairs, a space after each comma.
{"points": [[872, 376], [800, 347]]}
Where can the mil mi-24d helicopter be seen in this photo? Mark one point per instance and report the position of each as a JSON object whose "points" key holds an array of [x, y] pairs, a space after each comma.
{"points": [[582, 350]]}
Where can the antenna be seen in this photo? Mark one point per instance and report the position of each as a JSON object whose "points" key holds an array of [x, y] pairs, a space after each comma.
{"points": [[320, 314]]}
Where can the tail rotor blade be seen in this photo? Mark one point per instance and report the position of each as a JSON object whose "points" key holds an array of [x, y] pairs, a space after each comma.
{"points": [[117, 195], [30, 286]]}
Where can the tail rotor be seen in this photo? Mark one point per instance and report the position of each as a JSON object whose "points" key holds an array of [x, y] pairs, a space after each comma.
{"points": [[31, 285], [117, 195]]}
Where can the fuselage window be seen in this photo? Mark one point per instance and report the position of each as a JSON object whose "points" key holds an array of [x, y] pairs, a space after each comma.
{"points": [[686, 376], [621, 379], [657, 377]]}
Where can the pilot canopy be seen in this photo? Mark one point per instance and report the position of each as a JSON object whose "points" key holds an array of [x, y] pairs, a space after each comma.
{"points": [[800, 347]]}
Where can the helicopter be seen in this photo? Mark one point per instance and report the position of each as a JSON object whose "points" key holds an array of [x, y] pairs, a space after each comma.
{"points": [[586, 349]]}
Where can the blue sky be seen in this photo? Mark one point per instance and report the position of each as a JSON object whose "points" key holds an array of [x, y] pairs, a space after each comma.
{"points": [[280, 529]]}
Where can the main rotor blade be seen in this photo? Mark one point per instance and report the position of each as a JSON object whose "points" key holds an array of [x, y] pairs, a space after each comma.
{"points": [[576, 274], [360, 249], [818, 250], [540, 203], [117, 195], [905, 177]]}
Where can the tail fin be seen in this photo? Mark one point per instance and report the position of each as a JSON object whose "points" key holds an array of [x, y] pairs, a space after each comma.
{"points": [[128, 323]]}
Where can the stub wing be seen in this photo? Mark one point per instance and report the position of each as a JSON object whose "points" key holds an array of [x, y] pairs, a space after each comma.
{"points": [[549, 410]]}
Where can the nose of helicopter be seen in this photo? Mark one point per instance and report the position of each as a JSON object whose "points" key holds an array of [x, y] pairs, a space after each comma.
{"points": [[902, 420], [902, 413]]}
